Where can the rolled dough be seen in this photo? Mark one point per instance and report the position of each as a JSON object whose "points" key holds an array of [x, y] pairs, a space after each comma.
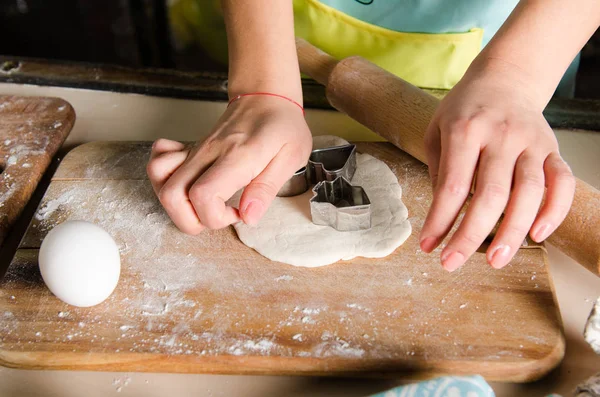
{"points": [[286, 233]]}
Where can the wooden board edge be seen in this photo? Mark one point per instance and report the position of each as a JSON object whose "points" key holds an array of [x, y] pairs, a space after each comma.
{"points": [[520, 372], [71, 115]]}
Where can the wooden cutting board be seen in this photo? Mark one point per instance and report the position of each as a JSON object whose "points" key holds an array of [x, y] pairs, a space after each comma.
{"points": [[32, 129], [209, 304]]}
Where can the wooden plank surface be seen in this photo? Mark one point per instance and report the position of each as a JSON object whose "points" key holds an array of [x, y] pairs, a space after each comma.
{"points": [[32, 129], [210, 304]]}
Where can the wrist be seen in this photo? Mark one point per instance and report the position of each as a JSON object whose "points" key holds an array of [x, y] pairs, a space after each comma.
{"points": [[243, 86], [510, 74], [267, 94]]}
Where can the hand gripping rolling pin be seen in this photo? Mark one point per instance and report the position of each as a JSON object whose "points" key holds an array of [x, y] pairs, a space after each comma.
{"points": [[400, 113]]}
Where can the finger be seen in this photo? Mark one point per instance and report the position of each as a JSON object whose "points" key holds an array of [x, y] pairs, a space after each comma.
{"points": [[456, 168], [522, 208], [180, 209], [219, 183], [161, 146], [174, 193], [560, 184], [491, 195], [433, 151], [160, 168], [263, 189]]}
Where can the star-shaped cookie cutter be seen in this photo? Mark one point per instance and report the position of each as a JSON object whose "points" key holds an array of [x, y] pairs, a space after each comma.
{"points": [[336, 202], [341, 205]]}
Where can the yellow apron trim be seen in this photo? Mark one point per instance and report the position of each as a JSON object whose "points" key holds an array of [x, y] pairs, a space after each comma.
{"points": [[427, 60]]}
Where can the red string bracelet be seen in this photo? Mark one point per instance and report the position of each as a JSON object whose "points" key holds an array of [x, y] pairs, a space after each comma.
{"points": [[267, 94]]}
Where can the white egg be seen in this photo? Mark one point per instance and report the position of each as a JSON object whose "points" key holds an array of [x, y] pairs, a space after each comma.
{"points": [[80, 263]]}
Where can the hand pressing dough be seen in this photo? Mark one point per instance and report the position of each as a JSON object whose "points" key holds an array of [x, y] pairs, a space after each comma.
{"points": [[286, 232]]}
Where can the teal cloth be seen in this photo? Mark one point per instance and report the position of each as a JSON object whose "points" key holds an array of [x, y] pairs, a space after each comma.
{"points": [[430, 16], [442, 16], [448, 386]]}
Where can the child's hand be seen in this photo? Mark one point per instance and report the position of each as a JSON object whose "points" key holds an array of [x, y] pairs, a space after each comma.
{"points": [[258, 143], [491, 124]]}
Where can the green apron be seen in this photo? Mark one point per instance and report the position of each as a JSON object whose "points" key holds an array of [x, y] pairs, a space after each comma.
{"points": [[429, 43]]}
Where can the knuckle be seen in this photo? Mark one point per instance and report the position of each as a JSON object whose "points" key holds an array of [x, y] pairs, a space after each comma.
{"points": [[455, 188], [199, 194], [202, 197], [493, 191], [532, 180], [471, 238], [267, 188], [159, 143], [466, 127], [460, 125], [152, 168], [234, 138], [565, 177], [168, 197], [517, 231], [503, 127]]}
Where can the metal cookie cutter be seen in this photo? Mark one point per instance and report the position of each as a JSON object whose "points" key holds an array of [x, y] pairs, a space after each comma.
{"points": [[296, 185], [340, 205], [330, 163], [323, 165]]}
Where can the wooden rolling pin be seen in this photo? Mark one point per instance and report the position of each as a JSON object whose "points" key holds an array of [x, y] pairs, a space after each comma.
{"points": [[400, 113]]}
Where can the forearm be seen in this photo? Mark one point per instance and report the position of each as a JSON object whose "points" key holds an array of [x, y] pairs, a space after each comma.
{"points": [[262, 49], [539, 40]]}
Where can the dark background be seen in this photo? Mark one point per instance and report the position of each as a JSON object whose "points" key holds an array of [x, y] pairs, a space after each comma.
{"points": [[136, 33]]}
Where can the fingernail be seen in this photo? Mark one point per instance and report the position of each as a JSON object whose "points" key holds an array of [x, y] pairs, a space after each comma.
{"points": [[252, 212], [452, 260], [428, 244], [541, 233], [500, 256]]}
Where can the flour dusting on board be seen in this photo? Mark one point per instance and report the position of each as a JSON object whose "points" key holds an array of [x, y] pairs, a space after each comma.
{"points": [[208, 296], [155, 294]]}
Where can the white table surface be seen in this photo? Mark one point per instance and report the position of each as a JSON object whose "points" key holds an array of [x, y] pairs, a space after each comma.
{"points": [[112, 116]]}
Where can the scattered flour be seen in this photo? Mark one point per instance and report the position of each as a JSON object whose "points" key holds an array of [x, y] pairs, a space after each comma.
{"points": [[155, 307], [157, 312], [120, 383]]}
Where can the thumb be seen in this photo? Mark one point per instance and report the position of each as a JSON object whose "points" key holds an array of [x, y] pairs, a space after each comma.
{"points": [[260, 193]]}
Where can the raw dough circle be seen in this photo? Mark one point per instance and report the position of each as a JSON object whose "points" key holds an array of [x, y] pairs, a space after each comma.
{"points": [[286, 232], [80, 263]]}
